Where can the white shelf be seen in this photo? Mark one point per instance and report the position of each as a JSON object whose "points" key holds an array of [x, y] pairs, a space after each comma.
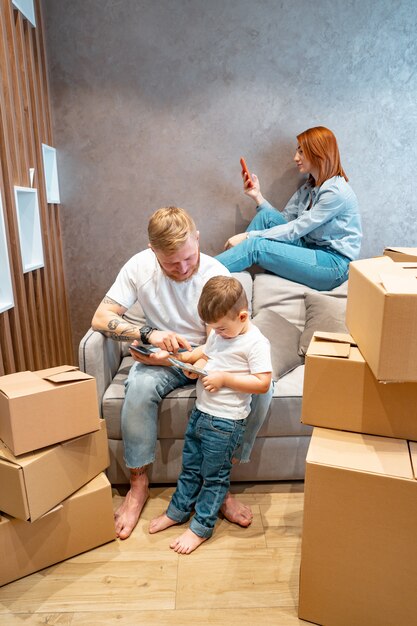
{"points": [[6, 289], [51, 174], [30, 235], [27, 9]]}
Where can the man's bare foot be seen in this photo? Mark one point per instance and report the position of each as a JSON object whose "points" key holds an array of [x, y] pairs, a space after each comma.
{"points": [[235, 511], [187, 542], [127, 515], [160, 523]]}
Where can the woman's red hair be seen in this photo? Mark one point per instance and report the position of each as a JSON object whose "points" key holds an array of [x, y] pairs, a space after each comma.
{"points": [[320, 147]]}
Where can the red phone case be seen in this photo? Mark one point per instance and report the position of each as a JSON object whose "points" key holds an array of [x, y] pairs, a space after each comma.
{"points": [[245, 170]]}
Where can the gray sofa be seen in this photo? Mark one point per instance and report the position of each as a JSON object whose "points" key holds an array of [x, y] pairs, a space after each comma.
{"points": [[288, 313]]}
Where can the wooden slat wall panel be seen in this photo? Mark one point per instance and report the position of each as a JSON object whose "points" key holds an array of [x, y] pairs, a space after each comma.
{"points": [[36, 332]]}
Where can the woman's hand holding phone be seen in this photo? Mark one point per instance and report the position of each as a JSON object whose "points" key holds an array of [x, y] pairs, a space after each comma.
{"points": [[251, 185]]}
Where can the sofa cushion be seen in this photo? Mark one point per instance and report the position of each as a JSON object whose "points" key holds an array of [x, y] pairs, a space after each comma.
{"points": [[284, 338], [324, 313], [286, 297], [284, 414]]}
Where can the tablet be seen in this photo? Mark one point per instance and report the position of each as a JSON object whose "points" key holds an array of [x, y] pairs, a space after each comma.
{"points": [[187, 366]]}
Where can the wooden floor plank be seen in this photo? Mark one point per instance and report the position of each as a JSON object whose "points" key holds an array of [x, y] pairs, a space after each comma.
{"points": [[248, 575]]}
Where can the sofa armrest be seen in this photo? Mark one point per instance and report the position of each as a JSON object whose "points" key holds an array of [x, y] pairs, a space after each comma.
{"points": [[100, 357]]}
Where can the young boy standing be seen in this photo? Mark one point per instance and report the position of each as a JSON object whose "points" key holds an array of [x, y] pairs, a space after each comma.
{"points": [[237, 360]]}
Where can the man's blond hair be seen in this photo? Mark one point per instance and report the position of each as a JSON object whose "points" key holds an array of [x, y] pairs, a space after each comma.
{"points": [[169, 228]]}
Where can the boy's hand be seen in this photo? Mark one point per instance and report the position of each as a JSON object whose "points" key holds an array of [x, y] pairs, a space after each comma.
{"points": [[213, 381], [200, 364]]}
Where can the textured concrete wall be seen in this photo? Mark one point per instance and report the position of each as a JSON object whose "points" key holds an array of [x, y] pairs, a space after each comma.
{"points": [[154, 101]]}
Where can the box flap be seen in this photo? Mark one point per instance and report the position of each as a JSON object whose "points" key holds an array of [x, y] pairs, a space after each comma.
{"points": [[67, 377], [326, 346], [402, 250], [21, 384], [338, 337], [402, 281], [51, 371], [362, 453], [63, 374]]}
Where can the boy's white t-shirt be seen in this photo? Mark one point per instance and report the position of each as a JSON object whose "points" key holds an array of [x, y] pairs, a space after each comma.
{"points": [[167, 304], [249, 353]]}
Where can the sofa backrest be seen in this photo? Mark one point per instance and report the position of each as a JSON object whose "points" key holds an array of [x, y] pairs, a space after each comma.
{"points": [[286, 297]]}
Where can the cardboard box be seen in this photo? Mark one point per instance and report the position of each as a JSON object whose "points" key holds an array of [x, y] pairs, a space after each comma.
{"points": [[38, 409], [401, 255], [33, 483], [359, 549], [341, 392], [381, 315], [83, 521]]}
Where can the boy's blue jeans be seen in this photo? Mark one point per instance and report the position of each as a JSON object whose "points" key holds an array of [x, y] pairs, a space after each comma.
{"points": [[146, 385], [315, 267], [209, 446]]}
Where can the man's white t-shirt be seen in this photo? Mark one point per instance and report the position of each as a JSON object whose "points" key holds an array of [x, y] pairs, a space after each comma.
{"points": [[167, 304], [249, 353]]}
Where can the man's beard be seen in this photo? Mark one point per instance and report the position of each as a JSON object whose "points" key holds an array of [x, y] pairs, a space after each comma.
{"points": [[176, 278]]}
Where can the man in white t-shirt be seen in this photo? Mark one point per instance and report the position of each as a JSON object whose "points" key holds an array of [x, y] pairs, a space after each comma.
{"points": [[167, 280]]}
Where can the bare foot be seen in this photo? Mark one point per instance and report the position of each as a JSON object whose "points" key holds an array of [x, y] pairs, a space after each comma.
{"points": [[127, 515], [160, 523], [187, 543], [235, 511]]}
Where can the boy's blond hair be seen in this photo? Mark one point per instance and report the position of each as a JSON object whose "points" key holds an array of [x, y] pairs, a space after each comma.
{"points": [[169, 228], [222, 296]]}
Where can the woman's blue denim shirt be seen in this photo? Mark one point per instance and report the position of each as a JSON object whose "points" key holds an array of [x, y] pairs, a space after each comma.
{"points": [[325, 216]]}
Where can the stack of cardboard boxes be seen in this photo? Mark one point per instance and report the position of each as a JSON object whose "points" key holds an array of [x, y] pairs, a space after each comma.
{"points": [[55, 501], [359, 548]]}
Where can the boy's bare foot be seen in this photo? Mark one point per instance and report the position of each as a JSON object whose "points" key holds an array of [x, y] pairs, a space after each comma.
{"points": [[187, 542], [160, 523], [235, 511], [127, 515]]}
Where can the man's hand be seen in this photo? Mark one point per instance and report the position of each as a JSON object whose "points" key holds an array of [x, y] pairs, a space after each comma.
{"points": [[213, 381], [169, 341], [235, 240], [156, 358]]}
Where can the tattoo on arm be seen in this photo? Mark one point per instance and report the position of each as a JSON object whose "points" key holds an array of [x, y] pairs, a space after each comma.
{"points": [[128, 333], [107, 300]]}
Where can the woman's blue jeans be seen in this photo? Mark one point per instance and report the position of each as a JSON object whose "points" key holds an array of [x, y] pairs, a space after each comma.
{"points": [[318, 268], [209, 445], [146, 386]]}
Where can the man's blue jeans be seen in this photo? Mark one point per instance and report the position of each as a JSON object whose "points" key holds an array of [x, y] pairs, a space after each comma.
{"points": [[209, 446], [146, 385], [316, 267]]}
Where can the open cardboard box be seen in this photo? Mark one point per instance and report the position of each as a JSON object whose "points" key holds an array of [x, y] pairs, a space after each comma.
{"points": [[401, 255], [33, 483], [38, 409], [83, 521], [341, 392], [381, 315], [359, 549]]}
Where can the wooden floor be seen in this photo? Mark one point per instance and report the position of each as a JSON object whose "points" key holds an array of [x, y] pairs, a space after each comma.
{"points": [[247, 576]]}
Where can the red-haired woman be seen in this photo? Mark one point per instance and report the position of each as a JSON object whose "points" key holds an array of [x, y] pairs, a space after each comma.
{"points": [[318, 233]]}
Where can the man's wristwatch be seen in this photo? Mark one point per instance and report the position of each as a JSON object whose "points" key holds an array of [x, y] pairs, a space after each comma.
{"points": [[145, 333]]}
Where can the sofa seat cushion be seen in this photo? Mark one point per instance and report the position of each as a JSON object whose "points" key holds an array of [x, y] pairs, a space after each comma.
{"points": [[284, 415]]}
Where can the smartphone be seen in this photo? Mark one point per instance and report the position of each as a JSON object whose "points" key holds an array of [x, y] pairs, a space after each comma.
{"points": [[143, 349], [246, 171], [187, 366]]}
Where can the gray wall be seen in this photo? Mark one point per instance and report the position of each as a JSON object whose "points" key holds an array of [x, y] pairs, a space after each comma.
{"points": [[154, 101]]}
